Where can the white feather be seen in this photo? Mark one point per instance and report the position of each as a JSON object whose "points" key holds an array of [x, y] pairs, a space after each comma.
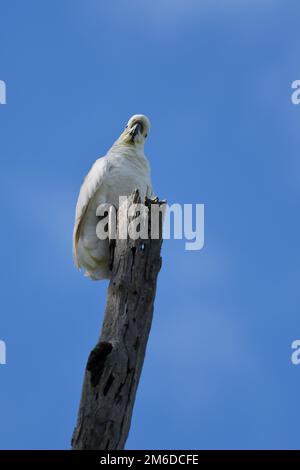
{"points": [[124, 169]]}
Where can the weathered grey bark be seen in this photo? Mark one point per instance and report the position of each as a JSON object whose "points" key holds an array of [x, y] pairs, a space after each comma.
{"points": [[114, 365]]}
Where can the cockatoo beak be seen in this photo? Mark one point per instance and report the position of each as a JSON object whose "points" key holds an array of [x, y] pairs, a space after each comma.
{"points": [[138, 127]]}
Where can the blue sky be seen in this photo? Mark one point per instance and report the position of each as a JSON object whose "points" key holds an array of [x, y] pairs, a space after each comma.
{"points": [[215, 79]]}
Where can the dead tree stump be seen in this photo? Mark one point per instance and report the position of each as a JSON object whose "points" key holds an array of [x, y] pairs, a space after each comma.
{"points": [[114, 366]]}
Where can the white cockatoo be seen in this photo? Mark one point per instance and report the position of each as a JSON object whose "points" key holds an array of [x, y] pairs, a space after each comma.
{"points": [[123, 169]]}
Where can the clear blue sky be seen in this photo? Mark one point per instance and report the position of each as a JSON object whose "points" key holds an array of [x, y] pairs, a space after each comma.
{"points": [[214, 77]]}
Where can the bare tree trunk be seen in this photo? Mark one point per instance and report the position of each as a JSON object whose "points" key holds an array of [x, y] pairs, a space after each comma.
{"points": [[114, 366]]}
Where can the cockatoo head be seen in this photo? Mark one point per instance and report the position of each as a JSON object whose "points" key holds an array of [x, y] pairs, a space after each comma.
{"points": [[136, 130]]}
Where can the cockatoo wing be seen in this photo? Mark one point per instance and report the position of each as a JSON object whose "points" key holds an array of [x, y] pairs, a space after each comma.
{"points": [[90, 185]]}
